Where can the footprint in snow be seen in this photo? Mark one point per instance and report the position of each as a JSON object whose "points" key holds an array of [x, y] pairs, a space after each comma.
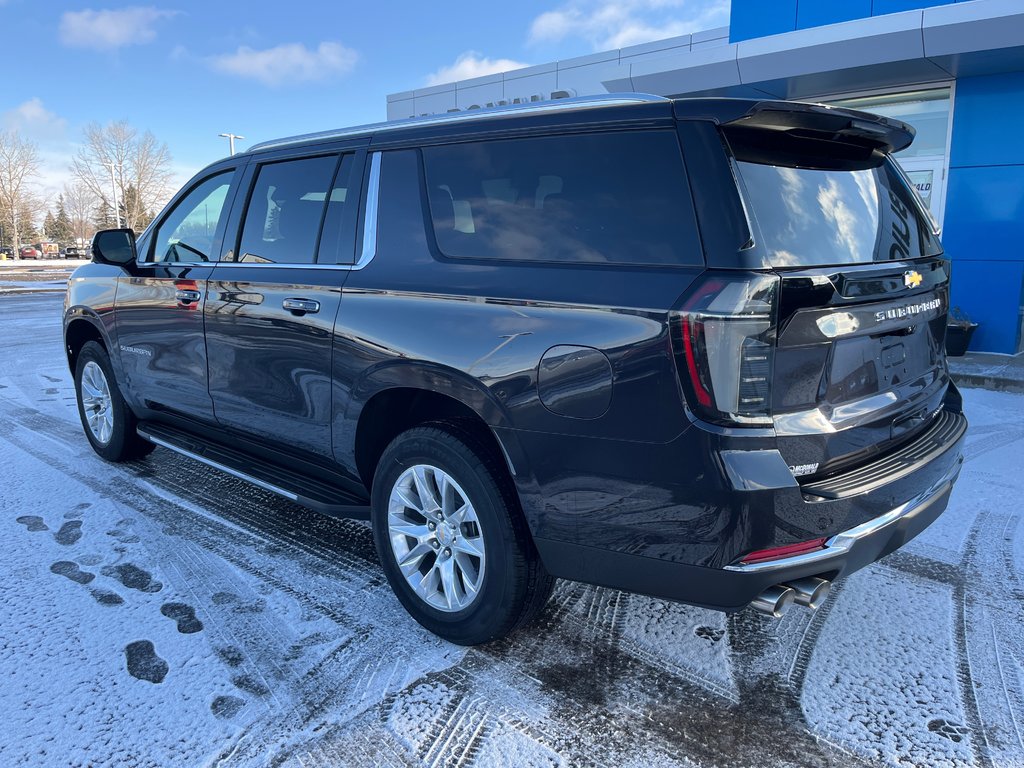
{"points": [[33, 523], [231, 655], [70, 570], [78, 512], [250, 685], [709, 633], [69, 533], [106, 597], [949, 730], [132, 577], [144, 663], [184, 615], [123, 536], [226, 707]]}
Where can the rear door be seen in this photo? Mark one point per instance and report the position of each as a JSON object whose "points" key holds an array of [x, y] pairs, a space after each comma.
{"points": [[864, 294], [273, 301], [158, 317]]}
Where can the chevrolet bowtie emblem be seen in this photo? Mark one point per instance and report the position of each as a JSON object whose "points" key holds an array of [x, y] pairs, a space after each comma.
{"points": [[912, 278]]}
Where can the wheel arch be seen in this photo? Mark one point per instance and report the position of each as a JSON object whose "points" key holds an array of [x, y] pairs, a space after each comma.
{"points": [[390, 400], [81, 326]]}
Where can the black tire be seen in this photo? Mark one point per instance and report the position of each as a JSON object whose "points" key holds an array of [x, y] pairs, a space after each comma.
{"points": [[515, 585], [124, 443]]}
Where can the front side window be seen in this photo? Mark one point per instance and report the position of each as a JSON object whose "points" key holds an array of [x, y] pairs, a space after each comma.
{"points": [[187, 233], [619, 198], [285, 210]]}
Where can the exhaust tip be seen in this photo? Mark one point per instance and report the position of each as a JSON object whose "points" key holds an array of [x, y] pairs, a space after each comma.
{"points": [[810, 592], [774, 601]]}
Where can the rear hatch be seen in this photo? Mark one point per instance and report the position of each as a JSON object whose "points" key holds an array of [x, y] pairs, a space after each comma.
{"points": [[837, 338]]}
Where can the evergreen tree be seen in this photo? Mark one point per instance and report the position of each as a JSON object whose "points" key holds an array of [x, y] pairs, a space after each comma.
{"points": [[62, 230], [49, 223], [104, 217]]}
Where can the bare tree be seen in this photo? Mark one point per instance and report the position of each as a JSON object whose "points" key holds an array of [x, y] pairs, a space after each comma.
{"points": [[80, 203], [140, 162], [19, 163]]}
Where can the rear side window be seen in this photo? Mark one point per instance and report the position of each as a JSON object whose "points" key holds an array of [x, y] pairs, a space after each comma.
{"points": [[287, 204], [618, 198], [810, 217]]}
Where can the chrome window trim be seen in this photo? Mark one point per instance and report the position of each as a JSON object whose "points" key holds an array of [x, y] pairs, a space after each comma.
{"points": [[370, 215], [512, 110]]}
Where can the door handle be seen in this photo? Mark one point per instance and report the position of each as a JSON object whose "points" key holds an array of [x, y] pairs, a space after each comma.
{"points": [[187, 296], [301, 306]]}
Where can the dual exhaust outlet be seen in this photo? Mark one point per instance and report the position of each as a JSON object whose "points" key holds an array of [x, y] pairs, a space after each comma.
{"points": [[809, 592]]}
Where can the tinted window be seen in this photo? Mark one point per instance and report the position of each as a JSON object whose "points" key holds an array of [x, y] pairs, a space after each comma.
{"points": [[285, 210], [818, 217], [608, 198], [187, 233], [340, 220]]}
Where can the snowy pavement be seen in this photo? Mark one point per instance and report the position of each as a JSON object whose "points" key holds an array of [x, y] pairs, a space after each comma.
{"points": [[163, 614]]}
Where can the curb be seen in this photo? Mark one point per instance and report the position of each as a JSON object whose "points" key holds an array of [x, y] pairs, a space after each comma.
{"points": [[980, 381]]}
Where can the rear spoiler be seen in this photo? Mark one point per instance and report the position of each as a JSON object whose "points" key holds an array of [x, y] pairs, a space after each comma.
{"points": [[799, 120]]}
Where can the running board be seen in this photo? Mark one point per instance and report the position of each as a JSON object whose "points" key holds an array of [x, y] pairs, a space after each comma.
{"points": [[309, 492]]}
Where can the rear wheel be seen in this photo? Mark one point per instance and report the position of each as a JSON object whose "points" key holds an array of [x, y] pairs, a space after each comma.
{"points": [[451, 537], [108, 422]]}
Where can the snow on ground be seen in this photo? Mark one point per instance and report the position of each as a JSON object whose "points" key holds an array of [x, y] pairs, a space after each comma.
{"points": [[163, 614]]}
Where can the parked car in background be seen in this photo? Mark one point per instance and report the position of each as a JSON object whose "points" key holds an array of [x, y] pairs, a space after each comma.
{"points": [[6, 252], [688, 348], [76, 252], [30, 252]]}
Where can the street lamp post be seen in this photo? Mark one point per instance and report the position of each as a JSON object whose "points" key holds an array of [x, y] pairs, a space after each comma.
{"points": [[113, 188], [231, 140]]}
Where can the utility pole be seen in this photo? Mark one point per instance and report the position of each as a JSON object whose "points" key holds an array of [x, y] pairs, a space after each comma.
{"points": [[231, 140], [113, 187]]}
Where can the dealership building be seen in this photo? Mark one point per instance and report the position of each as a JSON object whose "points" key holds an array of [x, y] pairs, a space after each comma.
{"points": [[953, 70]]}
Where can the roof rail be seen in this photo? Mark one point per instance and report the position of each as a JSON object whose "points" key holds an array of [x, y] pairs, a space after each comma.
{"points": [[511, 110]]}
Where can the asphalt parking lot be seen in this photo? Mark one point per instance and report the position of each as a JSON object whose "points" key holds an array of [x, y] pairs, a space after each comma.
{"points": [[160, 613]]}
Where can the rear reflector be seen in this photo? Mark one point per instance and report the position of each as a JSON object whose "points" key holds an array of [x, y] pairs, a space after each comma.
{"points": [[789, 550]]}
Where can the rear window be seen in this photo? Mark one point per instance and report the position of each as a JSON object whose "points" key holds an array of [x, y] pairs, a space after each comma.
{"points": [[619, 198], [811, 217]]}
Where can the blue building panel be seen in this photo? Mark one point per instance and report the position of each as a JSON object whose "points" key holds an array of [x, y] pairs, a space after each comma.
{"points": [[990, 293], [985, 213], [816, 13], [987, 120], [757, 18]]}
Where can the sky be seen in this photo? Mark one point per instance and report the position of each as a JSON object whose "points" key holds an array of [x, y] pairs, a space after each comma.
{"points": [[189, 70]]}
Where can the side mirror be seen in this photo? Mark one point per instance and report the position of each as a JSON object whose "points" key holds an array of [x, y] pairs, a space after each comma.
{"points": [[114, 246]]}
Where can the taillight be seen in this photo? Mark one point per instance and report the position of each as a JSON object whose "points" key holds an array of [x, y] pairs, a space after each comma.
{"points": [[727, 345], [787, 550]]}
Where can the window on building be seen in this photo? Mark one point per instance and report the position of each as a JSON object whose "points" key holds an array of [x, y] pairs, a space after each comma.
{"points": [[617, 198]]}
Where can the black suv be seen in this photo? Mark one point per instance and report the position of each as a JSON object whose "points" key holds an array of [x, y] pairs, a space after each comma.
{"points": [[690, 348]]}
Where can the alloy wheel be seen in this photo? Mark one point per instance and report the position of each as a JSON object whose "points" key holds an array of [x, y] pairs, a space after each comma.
{"points": [[436, 538]]}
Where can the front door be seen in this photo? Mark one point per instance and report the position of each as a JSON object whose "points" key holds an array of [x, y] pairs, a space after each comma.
{"points": [[271, 308], [158, 316]]}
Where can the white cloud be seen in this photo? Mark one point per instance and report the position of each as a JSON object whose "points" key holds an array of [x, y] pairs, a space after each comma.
{"points": [[107, 30], [472, 64], [34, 121], [289, 63], [608, 24]]}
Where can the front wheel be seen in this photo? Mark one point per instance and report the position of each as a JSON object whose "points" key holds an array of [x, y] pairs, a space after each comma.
{"points": [[108, 422], [451, 537]]}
